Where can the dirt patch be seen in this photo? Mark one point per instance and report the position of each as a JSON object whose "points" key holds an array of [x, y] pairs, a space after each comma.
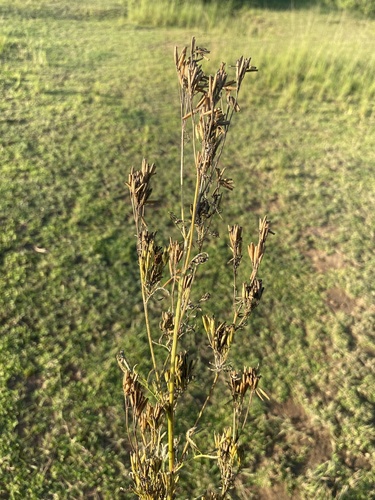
{"points": [[338, 300], [323, 262], [30, 399], [298, 444], [320, 259], [277, 491], [321, 232], [74, 372], [321, 451], [316, 438], [289, 409], [356, 462]]}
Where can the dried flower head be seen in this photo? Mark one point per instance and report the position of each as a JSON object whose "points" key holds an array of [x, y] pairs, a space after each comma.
{"points": [[256, 252], [240, 383], [150, 480], [183, 372], [220, 338], [167, 323], [251, 295], [152, 259], [235, 239], [151, 419], [140, 189], [228, 457], [175, 252]]}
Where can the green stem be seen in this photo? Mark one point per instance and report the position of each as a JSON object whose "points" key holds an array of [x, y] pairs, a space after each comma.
{"points": [[182, 201], [234, 425], [148, 329], [179, 312], [171, 384]]}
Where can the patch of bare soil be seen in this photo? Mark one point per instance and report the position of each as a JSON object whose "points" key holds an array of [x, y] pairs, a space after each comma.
{"points": [[356, 462], [323, 262], [277, 492], [300, 445], [315, 437], [338, 300]]}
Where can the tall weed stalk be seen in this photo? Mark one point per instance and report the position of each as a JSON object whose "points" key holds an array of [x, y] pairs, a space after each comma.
{"points": [[158, 451]]}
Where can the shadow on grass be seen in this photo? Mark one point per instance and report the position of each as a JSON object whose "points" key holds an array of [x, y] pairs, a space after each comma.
{"points": [[56, 12], [272, 4]]}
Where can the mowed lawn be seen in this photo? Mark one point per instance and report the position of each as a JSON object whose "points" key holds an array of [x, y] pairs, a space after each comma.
{"points": [[87, 90]]}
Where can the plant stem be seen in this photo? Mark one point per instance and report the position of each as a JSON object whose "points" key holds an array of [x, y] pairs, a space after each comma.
{"points": [[171, 384], [179, 312], [234, 431], [148, 329], [182, 174], [202, 409]]}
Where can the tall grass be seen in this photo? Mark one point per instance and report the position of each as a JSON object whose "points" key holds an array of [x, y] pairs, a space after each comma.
{"points": [[175, 13], [319, 57], [213, 14]]}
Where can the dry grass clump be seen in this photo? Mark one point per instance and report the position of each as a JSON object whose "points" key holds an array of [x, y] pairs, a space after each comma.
{"points": [[208, 103]]}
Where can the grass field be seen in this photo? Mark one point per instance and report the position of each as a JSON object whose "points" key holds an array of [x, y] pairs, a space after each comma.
{"points": [[88, 89]]}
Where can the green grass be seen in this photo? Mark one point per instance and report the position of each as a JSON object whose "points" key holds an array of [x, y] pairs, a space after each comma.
{"points": [[85, 94]]}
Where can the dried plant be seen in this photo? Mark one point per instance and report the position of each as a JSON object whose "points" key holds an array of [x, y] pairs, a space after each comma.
{"points": [[208, 103]]}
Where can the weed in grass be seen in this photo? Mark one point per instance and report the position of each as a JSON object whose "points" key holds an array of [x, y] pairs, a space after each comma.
{"points": [[159, 447]]}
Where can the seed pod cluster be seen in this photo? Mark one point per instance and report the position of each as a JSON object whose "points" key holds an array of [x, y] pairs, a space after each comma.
{"points": [[228, 457], [183, 372], [256, 252], [240, 383], [235, 240], [140, 189], [150, 480], [152, 259], [220, 338]]}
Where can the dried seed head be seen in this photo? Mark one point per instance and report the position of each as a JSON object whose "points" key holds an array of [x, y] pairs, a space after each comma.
{"points": [[175, 251], [227, 456], [139, 187], [218, 83], [256, 252], [167, 322], [201, 51], [151, 419], [190, 74], [240, 383], [251, 295], [235, 240], [133, 393], [233, 103], [183, 372], [242, 67], [206, 296], [150, 481], [123, 362], [220, 338], [152, 259], [199, 259], [227, 183]]}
